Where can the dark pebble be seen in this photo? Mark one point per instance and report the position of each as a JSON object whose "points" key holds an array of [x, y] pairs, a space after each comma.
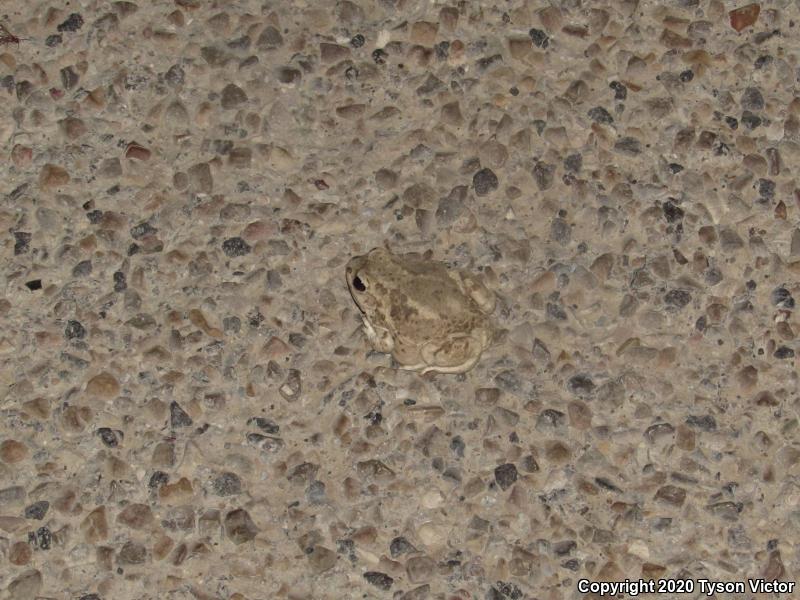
{"points": [[141, 230], [487, 61], [379, 55], [37, 510], [678, 298], [628, 145], [539, 124], [109, 437], [175, 75], [672, 212], [34, 284], [266, 425], [484, 181], [73, 23], [235, 246], [763, 61], [555, 312], [784, 352], [90, 597], [598, 114], [315, 493], [675, 168], [231, 324], [120, 283], [551, 419], [539, 38], [74, 329], [560, 231], [240, 43], [69, 78], [9, 84], [782, 298], [22, 241], [42, 539], [379, 580], [509, 590], [620, 91], [289, 75], [704, 423], [686, 76], [732, 122], [543, 174], [82, 269], [227, 484], [442, 50], [133, 249], [750, 120], [607, 485], [357, 41], [53, 40], [177, 416], [457, 446], [350, 73], [581, 385], [573, 163], [94, 216], [713, 276], [564, 547], [505, 475], [157, 479], [269, 39], [400, 545], [348, 548], [766, 189], [752, 99]]}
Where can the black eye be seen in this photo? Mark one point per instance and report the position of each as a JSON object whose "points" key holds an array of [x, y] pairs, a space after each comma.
{"points": [[359, 285]]}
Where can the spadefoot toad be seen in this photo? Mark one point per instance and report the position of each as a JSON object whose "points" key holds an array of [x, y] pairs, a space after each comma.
{"points": [[429, 318]]}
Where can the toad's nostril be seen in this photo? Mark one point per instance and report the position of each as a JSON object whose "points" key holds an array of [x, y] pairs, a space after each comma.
{"points": [[358, 284]]}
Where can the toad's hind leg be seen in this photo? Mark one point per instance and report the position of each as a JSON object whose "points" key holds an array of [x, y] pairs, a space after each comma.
{"points": [[457, 354]]}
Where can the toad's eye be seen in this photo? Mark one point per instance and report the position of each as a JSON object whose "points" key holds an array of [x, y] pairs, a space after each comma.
{"points": [[359, 285]]}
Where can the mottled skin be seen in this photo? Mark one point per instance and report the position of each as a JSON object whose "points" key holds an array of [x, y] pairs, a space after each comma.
{"points": [[428, 317]]}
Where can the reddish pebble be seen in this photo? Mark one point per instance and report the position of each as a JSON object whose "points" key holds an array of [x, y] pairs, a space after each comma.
{"points": [[12, 451], [53, 176], [21, 155], [744, 16], [56, 94], [138, 152]]}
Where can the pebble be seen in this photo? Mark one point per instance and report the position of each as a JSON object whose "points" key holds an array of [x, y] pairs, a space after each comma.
{"points": [[227, 484], [380, 580], [178, 417], [505, 475], [136, 516], [598, 114], [744, 16], [752, 99], [232, 96], [484, 182], [73, 23], [53, 176], [239, 527], [12, 451]]}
